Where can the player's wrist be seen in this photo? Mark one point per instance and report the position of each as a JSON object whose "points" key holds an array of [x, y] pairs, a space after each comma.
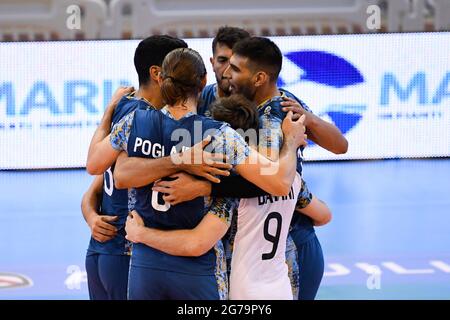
{"points": [[107, 117], [187, 167], [176, 162], [92, 218], [139, 235], [203, 188], [311, 121], [290, 142]]}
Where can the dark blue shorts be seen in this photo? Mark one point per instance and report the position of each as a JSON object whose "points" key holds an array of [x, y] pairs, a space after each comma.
{"points": [[107, 276], [311, 267], [152, 284]]}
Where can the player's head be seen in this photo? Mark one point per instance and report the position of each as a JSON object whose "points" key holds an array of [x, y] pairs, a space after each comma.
{"points": [[240, 113], [183, 75], [222, 46], [150, 54], [237, 110], [255, 64]]}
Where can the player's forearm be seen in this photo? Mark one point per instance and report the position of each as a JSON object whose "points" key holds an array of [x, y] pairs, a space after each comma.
{"points": [[133, 172], [102, 157], [315, 221], [91, 199], [287, 166], [274, 177], [326, 135], [176, 242], [103, 129], [318, 211], [88, 209], [96, 162]]}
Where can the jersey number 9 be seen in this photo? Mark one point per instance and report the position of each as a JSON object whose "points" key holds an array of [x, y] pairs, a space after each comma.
{"points": [[270, 237]]}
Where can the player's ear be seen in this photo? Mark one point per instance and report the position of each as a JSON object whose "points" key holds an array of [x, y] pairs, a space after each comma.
{"points": [[154, 72], [159, 80], [260, 78], [211, 59]]}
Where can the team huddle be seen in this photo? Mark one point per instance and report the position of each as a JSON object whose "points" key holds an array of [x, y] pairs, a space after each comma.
{"points": [[198, 191]]}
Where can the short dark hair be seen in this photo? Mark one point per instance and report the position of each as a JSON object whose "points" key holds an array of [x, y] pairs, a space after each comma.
{"points": [[262, 53], [229, 36], [182, 74], [151, 52], [237, 110]]}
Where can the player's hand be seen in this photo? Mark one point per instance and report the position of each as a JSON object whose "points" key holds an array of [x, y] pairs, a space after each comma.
{"points": [[184, 188], [101, 228], [198, 162], [294, 130], [290, 104], [117, 95], [134, 226]]}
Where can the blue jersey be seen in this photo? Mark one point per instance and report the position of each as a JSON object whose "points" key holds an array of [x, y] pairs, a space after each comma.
{"points": [[209, 95], [270, 117], [115, 201], [151, 137]]}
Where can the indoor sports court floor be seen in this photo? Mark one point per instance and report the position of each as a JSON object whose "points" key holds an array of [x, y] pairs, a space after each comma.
{"points": [[392, 214]]}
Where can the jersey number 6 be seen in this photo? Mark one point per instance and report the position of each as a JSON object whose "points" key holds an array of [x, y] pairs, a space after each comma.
{"points": [[158, 202]]}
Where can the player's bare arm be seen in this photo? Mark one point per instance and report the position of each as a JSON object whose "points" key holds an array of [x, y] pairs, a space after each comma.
{"points": [[100, 157], [318, 211], [189, 242], [325, 134], [175, 190], [100, 226], [137, 172]]}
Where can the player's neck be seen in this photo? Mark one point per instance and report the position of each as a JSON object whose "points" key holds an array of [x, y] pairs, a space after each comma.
{"points": [[266, 94], [180, 109], [221, 93], [152, 94]]}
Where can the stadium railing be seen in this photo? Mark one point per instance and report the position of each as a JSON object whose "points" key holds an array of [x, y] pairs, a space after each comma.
{"points": [[34, 20], [202, 18]]}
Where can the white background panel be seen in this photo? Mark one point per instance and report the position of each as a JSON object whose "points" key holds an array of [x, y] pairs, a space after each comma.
{"points": [[39, 130]]}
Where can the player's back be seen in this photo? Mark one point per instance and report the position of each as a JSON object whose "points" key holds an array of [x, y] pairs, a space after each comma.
{"points": [[155, 135], [258, 267]]}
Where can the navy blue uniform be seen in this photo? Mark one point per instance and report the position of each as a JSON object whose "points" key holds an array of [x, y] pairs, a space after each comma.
{"points": [[107, 263], [208, 96], [153, 273]]}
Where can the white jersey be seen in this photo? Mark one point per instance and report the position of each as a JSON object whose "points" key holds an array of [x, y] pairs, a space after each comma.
{"points": [[258, 265]]}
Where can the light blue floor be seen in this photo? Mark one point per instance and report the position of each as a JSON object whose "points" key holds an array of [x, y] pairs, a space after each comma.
{"points": [[395, 212]]}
